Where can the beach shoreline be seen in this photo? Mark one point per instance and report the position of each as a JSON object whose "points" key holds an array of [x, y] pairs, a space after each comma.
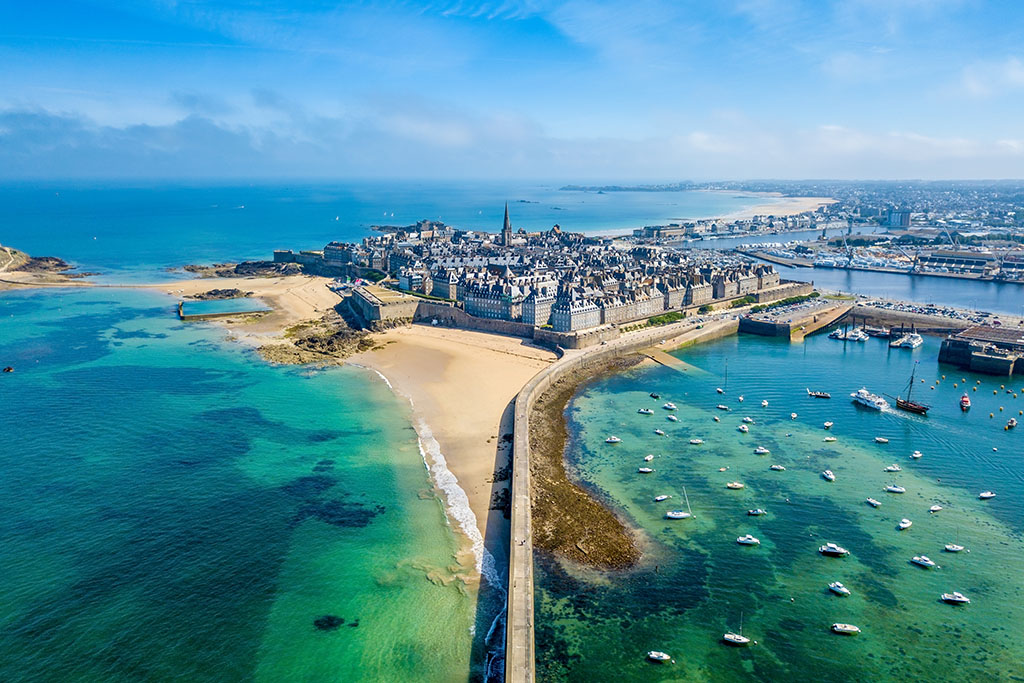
{"points": [[785, 206], [461, 385]]}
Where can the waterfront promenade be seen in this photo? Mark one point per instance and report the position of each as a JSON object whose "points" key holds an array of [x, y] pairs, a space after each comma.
{"points": [[519, 648]]}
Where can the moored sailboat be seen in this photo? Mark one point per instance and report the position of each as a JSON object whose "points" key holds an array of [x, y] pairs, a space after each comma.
{"points": [[907, 403]]}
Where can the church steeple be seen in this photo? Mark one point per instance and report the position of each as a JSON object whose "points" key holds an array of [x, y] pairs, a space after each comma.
{"points": [[506, 230]]}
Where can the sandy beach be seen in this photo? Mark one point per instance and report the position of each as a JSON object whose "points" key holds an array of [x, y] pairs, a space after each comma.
{"points": [[788, 206], [462, 384], [293, 299]]}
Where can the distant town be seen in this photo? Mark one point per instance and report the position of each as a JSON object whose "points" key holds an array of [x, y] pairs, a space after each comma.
{"points": [[568, 286]]}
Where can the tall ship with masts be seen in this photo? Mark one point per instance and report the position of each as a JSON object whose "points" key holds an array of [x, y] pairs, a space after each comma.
{"points": [[908, 403]]}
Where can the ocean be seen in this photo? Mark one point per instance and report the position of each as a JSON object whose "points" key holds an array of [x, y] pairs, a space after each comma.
{"points": [[696, 582], [175, 508]]}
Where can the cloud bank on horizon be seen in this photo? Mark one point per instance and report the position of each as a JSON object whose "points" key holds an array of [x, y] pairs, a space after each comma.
{"points": [[647, 90]]}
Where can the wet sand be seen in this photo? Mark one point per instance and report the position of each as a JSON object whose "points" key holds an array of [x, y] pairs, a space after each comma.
{"points": [[462, 385]]}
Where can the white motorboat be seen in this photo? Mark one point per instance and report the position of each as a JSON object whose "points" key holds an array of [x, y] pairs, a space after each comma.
{"points": [[649, 457], [828, 425], [696, 442], [838, 588], [656, 656], [986, 495], [857, 335], [916, 455], [722, 407], [909, 341], [734, 485], [613, 439], [894, 468], [865, 398], [669, 406], [748, 540], [764, 404], [923, 561], [659, 432], [740, 399], [645, 411], [777, 468], [893, 488], [904, 524], [833, 550], [673, 418], [792, 416], [749, 420], [881, 439], [761, 450], [644, 470], [677, 514], [757, 513], [845, 629], [874, 503], [828, 475], [720, 390], [743, 428], [934, 508], [658, 499], [830, 439], [956, 598]]}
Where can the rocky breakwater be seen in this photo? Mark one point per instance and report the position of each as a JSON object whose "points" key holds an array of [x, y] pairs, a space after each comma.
{"points": [[337, 335], [220, 294], [245, 269]]}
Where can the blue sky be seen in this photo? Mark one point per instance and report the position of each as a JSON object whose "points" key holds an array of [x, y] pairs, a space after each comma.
{"points": [[645, 90]]}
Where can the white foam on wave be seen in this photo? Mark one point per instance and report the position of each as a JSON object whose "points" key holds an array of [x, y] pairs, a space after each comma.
{"points": [[378, 373], [457, 501]]}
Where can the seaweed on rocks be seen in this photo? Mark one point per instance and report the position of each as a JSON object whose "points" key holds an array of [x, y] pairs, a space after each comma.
{"points": [[566, 517]]}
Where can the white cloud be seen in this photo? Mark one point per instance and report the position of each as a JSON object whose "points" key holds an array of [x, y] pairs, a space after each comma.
{"points": [[984, 79]]}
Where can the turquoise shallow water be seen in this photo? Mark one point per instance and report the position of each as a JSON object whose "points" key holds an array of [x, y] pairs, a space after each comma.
{"points": [[176, 509], [696, 582]]}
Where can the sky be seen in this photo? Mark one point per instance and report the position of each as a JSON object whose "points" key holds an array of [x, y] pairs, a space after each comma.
{"points": [[646, 90]]}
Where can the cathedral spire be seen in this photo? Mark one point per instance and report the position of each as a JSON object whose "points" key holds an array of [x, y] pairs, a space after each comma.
{"points": [[506, 229]]}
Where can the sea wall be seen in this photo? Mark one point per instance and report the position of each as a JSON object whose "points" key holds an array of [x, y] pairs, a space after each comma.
{"points": [[927, 324], [446, 314], [519, 649]]}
